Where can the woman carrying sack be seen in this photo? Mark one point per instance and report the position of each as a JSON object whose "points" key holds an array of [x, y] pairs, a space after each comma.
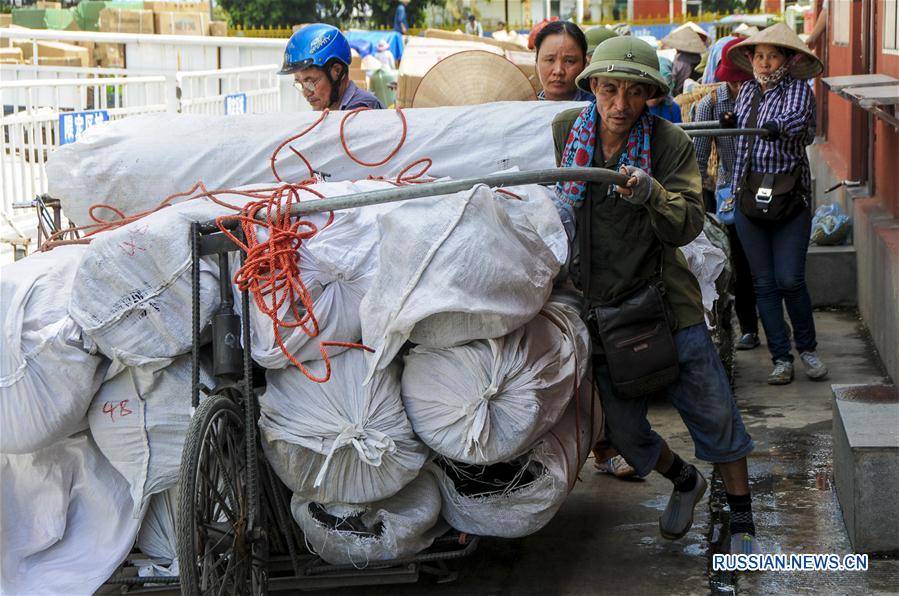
{"points": [[719, 105], [772, 185]]}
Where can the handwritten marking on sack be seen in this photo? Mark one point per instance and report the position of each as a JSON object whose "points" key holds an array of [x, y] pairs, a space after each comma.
{"points": [[131, 246], [111, 407]]}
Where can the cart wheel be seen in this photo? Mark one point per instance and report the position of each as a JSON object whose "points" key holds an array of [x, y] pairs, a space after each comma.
{"points": [[216, 552]]}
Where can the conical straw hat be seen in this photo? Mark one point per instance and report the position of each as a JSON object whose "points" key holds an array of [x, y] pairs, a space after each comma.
{"points": [[472, 77], [702, 33], [805, 67], [685, 40], [744, 30]]}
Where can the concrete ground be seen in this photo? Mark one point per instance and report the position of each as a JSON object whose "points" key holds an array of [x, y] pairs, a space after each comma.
{"points": [[605, 538]]}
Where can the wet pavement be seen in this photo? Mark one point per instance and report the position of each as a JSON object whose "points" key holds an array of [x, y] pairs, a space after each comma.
{"points": [[605, 538]]}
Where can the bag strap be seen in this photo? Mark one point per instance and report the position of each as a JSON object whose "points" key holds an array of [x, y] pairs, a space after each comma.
{"points": [[750, 123]]}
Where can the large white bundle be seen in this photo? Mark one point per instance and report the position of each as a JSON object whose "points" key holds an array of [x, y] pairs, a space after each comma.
{"points": [[399, 526], [520, 497], [157, 536], [339, 441], [157, 155], [139, 419], [706, 261], [65, 519], [337, 266], [487, 401], [453, 269], [47, 374]]}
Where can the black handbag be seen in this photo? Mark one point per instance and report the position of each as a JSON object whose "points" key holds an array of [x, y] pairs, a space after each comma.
{"points": [[634, 332], [636, 336], [763, 197]]}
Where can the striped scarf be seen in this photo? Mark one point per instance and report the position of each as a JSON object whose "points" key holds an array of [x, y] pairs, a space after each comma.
{"points": [[581, 145]]}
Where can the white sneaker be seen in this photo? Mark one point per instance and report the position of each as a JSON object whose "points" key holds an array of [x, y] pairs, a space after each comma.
{"points": [[814, 368], [782, 373]]}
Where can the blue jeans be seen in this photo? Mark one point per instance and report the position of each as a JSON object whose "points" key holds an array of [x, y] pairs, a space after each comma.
{"points": [[776, 256], [701, 395]]}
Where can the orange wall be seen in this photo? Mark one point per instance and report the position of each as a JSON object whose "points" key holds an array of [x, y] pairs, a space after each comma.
{"points": [[886, 138], [650, 9], [845, 124]]}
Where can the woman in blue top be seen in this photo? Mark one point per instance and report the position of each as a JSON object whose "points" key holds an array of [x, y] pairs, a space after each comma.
{"points": [[561, 56]]}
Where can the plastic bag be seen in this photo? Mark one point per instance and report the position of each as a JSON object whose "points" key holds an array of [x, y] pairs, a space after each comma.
{"points": [[830, 225]]}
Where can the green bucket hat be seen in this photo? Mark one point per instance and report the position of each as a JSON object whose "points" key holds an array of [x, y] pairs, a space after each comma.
{"points": [[627, 58], [597, 35]]}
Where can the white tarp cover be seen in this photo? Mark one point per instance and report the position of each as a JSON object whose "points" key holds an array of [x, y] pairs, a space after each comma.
{"points": [[157, 538], [337, 266], [47, 375], [407, 525], [157, 155], [487, 401], [65, 519], [453, 269], [540, 479], [706, 261], [339, 441], [139, 419]]}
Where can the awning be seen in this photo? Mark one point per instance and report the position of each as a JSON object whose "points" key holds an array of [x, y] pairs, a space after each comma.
{"points": [[875, 93]]}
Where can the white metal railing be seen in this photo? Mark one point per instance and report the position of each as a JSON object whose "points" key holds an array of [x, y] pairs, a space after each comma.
{"points": [[241, 90], [30, 129]]}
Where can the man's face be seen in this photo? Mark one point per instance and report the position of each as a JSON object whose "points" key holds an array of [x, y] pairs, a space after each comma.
{"points": [[314, 86], [619, 102]]}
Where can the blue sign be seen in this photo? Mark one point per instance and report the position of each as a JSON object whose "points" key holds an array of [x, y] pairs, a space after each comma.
{"points": [[73, 124], [236, 103]]}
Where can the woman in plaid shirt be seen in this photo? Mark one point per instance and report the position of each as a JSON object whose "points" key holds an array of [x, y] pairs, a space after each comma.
{"points": [[780, 63], [719, 105]]}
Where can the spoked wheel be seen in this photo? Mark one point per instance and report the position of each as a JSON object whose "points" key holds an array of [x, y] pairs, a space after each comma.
{"points": [[218, 552]]}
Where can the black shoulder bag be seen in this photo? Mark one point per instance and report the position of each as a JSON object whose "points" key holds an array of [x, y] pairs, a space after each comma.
{"points": [[636, 331], [766, 198]]}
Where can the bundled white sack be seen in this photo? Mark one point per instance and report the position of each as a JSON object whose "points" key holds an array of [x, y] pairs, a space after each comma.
{"points": [[534, 209], [48, 374], [399, 526], [337, 266], [453, 269], [157, 536], [139, 419], [134, 292], [487, 401], [339, 441], [521, 496], [157, 155], [706, 262], [66, 519]]}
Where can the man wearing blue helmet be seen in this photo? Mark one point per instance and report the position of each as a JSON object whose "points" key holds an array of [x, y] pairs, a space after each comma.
{"points": [[318, 56]]}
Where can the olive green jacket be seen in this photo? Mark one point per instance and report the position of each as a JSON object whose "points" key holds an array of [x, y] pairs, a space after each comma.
{"points": [[626, 240]]}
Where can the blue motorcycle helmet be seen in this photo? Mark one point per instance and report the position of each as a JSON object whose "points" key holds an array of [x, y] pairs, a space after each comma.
{"points": [[315, 45]]}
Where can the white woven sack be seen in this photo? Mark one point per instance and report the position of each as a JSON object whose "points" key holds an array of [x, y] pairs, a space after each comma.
{"points": [[157, 536], [535, 205], [339, 441], [134, 292], [139, 419], [65, 519], [453, 269], [157, 155], [546, 474], [47, 373], [487, 401], [408, 524], [337, 266], [706, 262]]}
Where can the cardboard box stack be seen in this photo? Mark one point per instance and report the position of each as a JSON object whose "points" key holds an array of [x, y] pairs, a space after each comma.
{"points": [[54, 53], [357, 74], [218, 29], [11, 56], [182, 23], [116, 20], [87, 12], [5, 19]]}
